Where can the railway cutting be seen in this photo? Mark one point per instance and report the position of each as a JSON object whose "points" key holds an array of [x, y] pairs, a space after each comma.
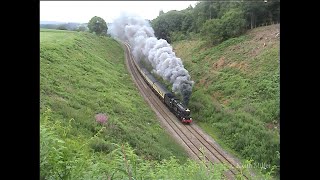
{"points": [[197, 143]]}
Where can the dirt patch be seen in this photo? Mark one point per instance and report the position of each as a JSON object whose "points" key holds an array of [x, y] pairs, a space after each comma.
{"points": [[241, 66], [266, 33], [215, 96], [204, 81], [235, 48], [207, 58], [261, 37], [219, 64], [226, 102], [234, 64], [273, 126]]}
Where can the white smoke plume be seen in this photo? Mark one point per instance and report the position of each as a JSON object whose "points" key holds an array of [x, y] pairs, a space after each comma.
{"points": [[140, 35]]}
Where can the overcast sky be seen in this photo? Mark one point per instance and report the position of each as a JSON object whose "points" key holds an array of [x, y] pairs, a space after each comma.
{"points": [[83, 11]]}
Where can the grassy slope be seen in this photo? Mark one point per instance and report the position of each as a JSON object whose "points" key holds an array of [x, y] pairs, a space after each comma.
{"points": [[82, 75], [236, 92]]}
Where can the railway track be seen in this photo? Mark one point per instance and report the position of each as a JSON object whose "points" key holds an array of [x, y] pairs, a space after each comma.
{"points": [[197, 144]]}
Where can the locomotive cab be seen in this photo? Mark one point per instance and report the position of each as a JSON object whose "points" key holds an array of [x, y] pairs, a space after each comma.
{"points": [[186, 116], [187, 113], [177, 108]]}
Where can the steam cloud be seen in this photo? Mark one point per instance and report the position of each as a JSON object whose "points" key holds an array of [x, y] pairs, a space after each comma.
{"points": [[140, 35]]}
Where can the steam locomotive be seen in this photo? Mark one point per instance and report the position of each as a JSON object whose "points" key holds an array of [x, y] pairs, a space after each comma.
{"points": [[172, 102]]}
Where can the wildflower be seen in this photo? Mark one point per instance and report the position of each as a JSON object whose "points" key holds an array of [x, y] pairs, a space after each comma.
{"points": [[101, 118]]}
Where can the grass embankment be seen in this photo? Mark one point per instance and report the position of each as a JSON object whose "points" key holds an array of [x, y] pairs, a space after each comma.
{"points": [[82, 75], [236, 92]]}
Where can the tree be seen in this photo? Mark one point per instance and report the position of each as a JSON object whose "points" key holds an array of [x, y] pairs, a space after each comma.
{"points": [[187, 23], [166, 23], [161, 12], [81, 28], [231, 24], [273, 8], [212, 30], [62, 27], [97, 25], [161, 28], [254, 12]]}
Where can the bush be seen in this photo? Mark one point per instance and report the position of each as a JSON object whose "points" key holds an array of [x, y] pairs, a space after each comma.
{"points": [[62, 27], [177, 36], [100, 145], [98, 25], [231, 24]]}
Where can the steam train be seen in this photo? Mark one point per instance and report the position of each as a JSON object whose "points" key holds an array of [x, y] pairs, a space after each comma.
{"points": [[172, 102]]}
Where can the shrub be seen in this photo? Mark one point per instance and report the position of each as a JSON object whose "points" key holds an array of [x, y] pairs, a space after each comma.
{"points": [[100, 145], [231, 24], [177, 36], [101, 118]]}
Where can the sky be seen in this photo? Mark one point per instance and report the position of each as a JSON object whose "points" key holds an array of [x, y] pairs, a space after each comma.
{"points": [[83, 11]]}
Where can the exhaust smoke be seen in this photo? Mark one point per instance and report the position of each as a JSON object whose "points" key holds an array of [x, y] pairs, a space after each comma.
{"points": [[158, 52]]}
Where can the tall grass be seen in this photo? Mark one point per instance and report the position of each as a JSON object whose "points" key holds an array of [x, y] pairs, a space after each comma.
{"points": [[65, 157], [236, 96], [82, 76]]}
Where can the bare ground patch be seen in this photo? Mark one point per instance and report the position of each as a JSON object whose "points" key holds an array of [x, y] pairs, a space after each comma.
{"points": [[219, 64], [261, 38]]}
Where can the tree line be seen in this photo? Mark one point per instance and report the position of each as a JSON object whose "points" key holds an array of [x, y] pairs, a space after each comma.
{"points": [[66, 26], [216, 21], [96, 25]]}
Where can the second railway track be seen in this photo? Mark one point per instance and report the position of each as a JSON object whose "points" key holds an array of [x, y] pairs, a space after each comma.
{"points": [[191, 137]]}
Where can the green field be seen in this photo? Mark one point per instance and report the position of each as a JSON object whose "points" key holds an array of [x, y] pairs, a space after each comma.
{"points": [[236, 95]]}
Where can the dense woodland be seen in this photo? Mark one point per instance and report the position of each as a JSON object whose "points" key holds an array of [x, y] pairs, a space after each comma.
{"points": [[216, 20]]}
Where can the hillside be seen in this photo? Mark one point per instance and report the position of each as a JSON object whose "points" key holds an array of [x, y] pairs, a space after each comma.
{"points": [[82, 75], [236, 95]]}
